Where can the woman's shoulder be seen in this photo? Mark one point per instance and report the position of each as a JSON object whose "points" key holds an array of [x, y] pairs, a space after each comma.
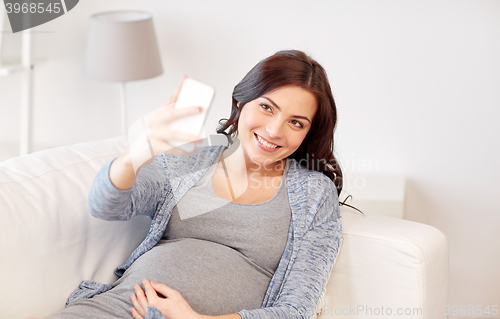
{"points": [[312, 177], [310, 190], [310, 187]]}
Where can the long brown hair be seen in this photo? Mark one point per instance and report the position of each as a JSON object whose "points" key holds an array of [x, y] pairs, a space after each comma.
{"points": [[293, 67]]}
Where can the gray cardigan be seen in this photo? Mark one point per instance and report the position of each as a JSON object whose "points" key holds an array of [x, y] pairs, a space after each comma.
{"points": [[313, 242]]}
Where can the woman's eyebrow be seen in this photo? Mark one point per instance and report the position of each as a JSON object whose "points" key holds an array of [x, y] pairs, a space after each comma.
{"points": [[279, 109]]}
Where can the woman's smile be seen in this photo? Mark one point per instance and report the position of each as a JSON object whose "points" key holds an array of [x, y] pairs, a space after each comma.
{"points": [[265, 144]]}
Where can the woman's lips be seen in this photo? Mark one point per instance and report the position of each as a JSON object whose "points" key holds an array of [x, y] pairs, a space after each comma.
{"points": [[262, 146]]}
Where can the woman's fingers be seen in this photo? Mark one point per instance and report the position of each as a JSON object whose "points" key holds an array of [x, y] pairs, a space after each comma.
{"points": [[136, 304], [163, 289], [141, 302], [135, 314], [150, 292], [174, 96], [159, 123]]}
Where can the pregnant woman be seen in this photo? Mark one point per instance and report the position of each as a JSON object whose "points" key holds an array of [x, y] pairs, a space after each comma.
{"points": [[248, 230]]}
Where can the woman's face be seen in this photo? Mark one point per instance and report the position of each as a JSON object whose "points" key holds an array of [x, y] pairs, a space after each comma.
{"points": [[273, 126]]}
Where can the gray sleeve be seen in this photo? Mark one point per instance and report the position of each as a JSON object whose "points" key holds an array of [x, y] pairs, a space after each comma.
{"points": [[108, 202], [153, 313]]}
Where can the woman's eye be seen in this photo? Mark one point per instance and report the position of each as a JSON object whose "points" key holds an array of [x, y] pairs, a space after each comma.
{"points": [[265, 107], [297, 123]]}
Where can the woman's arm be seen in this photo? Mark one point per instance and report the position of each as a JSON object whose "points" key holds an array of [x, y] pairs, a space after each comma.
{"points": [[121, 172], [107, 201], [128, 186]]}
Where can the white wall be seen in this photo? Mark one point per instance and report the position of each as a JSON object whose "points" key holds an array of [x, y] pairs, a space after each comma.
{"points": [[417, 84]]}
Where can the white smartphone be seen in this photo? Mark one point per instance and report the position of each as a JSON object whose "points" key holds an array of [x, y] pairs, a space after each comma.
{"points": [[192, 93]]}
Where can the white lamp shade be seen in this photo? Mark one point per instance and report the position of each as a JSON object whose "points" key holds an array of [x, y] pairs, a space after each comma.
{"points": [[122, 47]]}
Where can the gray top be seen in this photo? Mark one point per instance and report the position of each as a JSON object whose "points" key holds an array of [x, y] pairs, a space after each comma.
{"points": [[212, 251]]}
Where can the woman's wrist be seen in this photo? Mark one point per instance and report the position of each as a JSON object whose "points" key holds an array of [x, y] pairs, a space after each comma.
{"points": [[121, 172]]}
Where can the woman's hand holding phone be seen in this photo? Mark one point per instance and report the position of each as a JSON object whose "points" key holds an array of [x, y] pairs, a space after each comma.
{"points": [[150, 136]]}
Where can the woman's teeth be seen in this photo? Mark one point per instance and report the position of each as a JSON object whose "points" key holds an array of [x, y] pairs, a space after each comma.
{"points": [[266, 144]]}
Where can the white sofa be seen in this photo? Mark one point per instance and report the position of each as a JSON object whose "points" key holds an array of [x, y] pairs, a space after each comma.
{"points": [[49, 243]]}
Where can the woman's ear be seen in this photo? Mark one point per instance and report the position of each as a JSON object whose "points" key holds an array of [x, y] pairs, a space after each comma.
{"points": [[238, 104]]}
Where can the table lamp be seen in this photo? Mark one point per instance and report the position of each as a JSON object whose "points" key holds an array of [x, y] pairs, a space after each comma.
{"points": [[122, 47]]}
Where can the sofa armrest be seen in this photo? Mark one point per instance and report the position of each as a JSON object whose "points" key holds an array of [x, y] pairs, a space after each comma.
{"points": [[388, 265]]}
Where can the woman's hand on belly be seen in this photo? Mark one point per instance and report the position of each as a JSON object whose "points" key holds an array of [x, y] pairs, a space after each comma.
{"points": [[174, 306]]}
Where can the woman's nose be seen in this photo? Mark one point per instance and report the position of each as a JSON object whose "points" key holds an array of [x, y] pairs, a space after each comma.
{"points": [[274, 130]]}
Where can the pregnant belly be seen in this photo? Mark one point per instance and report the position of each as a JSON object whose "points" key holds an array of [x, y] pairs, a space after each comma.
{"points": [[213, 278]]}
